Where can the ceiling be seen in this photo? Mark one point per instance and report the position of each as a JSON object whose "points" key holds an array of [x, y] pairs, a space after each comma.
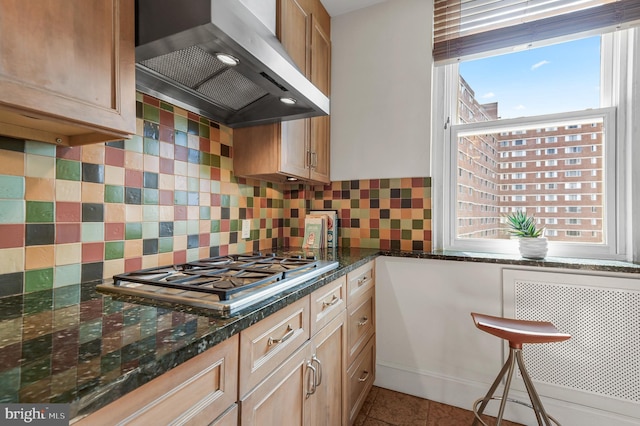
{"points": [[339, 7]]}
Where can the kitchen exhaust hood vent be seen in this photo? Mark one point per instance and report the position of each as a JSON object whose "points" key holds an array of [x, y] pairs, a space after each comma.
{"points": [[177, 44]]}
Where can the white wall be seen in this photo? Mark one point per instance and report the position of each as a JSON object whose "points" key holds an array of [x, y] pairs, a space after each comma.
{"points": [[381, 91], [428, 346]]}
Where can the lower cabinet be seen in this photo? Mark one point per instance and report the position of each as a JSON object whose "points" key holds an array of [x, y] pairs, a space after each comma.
{"points": [[361, 375], [361, 343], [200, 391], [312, 363], [308, 388], [327, 403]]}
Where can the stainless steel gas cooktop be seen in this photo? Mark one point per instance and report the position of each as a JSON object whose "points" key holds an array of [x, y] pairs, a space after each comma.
{"points": [[223, 283]]}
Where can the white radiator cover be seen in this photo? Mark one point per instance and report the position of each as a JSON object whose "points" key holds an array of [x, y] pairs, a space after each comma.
{"points": [[599, 366]]}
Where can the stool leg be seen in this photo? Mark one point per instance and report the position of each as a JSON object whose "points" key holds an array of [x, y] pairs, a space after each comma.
{"points": [[507, 367], [538, 408]]}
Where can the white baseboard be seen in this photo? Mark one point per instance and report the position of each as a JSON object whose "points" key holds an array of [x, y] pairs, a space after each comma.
{"points": [[462, 393]]}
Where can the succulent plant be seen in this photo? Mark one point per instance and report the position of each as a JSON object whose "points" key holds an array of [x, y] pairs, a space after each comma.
{"points": [[522, 225]]}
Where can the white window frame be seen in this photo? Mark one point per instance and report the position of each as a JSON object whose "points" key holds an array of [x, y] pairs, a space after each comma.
{"points": [[623, 238]]}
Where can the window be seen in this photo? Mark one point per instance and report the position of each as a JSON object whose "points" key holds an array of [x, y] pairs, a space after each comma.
{"points": [[558, 125], [519, 142], [551, 221], [573, 150], [519, 164]]}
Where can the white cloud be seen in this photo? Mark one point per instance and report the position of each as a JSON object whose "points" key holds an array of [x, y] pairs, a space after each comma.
{"points": [[520, 107], [489, 95], [539, 64]]}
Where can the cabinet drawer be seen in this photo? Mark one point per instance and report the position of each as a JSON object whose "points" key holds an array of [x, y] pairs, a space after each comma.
{"points": [[360, 324], [327, 303], [265, 345], [359, 281], [195, 392], [360, 377]]}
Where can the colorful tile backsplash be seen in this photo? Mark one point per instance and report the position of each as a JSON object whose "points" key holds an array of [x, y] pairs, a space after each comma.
{"points": [[168, 195]]}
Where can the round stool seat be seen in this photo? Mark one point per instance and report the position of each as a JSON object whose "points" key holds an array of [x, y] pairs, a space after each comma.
{"points": [[517, 331]]}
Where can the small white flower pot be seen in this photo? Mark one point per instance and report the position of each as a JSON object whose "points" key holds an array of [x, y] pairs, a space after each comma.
{"points": [[533, 248]]}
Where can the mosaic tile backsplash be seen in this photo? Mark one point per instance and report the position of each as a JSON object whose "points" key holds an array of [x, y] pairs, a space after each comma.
{"points": [[168, 195]]}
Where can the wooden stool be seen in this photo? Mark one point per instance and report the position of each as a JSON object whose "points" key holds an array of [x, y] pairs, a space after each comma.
{"points": [[516, 332]]}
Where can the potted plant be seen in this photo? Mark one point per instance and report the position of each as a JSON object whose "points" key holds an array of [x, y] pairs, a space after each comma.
{"points": [[533, 245]]}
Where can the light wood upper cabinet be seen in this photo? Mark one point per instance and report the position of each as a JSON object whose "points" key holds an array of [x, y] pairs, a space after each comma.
{"points": [[297, 148], [67, 71]]}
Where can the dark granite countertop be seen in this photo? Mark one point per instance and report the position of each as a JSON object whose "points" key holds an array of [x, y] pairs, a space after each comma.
{"points": [[75, 345], [617, 266]]}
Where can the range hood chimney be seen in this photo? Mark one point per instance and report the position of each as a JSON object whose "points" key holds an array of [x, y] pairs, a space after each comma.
{"points": [[177, 43]]}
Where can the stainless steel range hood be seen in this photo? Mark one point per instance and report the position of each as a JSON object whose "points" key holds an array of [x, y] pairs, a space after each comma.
{"points": [[176, 46]]}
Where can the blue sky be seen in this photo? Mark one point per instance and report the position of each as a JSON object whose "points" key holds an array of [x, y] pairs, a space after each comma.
{"points": [[550, 79]]}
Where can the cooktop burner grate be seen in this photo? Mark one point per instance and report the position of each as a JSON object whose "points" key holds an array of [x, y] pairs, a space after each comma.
{"points": [[222, 275]]}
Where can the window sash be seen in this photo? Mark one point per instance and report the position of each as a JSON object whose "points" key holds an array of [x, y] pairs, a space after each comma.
{"points": [[464, 28], [608, 249]]}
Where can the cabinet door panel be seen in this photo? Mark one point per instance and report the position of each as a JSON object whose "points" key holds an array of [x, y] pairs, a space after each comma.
{"points": [[70, 63], [320, 149], [295, 148], [280, 398], [320, 73], [293, 23], [328, 347]]}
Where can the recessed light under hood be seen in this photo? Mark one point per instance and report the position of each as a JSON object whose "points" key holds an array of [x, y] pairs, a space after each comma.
{"points": [[177, 48]]}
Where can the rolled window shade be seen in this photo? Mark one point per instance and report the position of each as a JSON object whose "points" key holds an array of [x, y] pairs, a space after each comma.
{"points": [[469, 27]]}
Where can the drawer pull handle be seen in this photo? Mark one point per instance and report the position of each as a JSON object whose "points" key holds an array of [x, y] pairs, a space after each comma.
{"points": [[332, 302], [319, 369], [311, 383], [363, 321], [284, 338], [362, 280], [364, 377]]}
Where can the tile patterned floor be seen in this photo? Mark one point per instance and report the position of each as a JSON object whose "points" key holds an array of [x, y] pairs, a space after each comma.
{"points": [[385, 407]]}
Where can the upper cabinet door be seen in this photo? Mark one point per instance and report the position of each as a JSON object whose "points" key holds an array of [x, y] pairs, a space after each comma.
{"points": [[293, 31], [67, 71], [320, 73]]}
